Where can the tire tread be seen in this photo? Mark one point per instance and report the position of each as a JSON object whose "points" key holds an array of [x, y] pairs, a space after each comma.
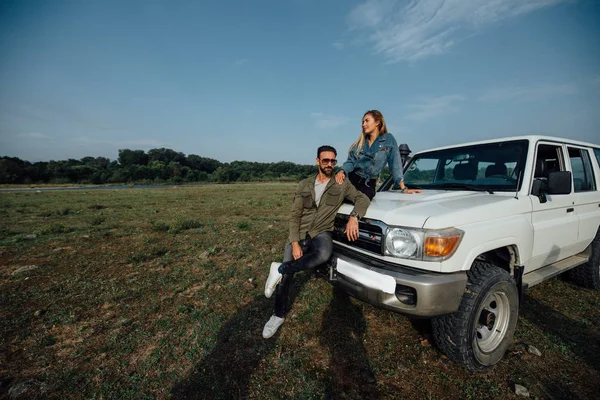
{"points": [[588, 275], [451, 332]]}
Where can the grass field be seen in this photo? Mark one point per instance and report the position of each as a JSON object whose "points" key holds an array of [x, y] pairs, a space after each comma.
{"points": [[135, 294]]}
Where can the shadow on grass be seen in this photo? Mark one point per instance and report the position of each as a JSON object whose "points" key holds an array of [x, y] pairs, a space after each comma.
{"points": [[580, 339], [226, 371], [342, 332], [576, 337]]}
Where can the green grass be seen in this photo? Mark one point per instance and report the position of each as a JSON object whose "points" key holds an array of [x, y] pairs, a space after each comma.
{"points": [[55, 229], [144, 294]]}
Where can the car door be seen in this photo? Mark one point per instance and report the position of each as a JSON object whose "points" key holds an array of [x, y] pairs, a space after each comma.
{"points": [[586, 194], [555, 222]]}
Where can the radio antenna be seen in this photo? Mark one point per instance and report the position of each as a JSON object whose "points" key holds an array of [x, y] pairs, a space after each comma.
{"points": [[518, 183]]}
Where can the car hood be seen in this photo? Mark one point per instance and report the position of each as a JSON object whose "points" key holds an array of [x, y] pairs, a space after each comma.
{"points": [[437, 209]]}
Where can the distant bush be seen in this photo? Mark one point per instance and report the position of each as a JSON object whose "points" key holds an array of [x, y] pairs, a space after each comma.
{"points": [[157, 166]]}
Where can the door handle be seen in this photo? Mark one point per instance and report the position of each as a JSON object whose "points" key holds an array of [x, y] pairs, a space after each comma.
{"points": [[570, 210]]}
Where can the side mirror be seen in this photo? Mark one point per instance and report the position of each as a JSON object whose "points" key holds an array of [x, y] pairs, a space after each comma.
{"points": [[559, 182]]}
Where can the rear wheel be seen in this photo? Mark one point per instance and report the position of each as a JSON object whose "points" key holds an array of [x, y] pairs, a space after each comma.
{"points": [[478, 334], [588, 274]]}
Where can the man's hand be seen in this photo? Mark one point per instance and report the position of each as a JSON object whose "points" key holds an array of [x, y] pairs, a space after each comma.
{"points": [[296, 250], [352, 229], [339, 177]]}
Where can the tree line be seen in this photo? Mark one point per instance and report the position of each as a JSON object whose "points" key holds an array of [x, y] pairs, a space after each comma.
{"points": [[155, 166]]}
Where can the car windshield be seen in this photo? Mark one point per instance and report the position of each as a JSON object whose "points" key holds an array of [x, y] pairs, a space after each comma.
{"points": [[490, 167]]}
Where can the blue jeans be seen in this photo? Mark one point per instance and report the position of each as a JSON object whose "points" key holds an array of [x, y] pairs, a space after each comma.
{"points": [[315, 251]]}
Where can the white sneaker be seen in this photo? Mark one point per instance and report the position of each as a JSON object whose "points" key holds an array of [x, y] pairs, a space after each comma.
{"points": [[272, 326], [273, 279]]}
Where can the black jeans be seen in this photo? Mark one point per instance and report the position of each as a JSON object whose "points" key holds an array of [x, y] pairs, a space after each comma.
{"points": [[315, 251], [367, 186]]}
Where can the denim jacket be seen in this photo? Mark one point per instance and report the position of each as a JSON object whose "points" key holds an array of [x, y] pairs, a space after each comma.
{"points": [[371, 160]]}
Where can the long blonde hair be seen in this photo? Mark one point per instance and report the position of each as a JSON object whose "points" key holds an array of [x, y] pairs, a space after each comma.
{"points": [[359, 143]]}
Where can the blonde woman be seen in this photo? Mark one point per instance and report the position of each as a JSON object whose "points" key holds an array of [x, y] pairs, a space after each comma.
{"points": [[374, 148]]}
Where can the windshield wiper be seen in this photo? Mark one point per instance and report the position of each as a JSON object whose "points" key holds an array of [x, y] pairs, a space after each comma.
{"points": [[456, 185]]}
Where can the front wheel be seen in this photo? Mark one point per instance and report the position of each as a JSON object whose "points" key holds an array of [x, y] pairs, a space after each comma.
{"points": [[478, 334]]}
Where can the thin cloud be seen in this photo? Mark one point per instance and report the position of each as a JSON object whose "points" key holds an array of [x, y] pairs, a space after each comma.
{"points": [[325, 121], [241, 61], [34, 135], [595, 81], [413, 30], [528, 93], [433, 107], [338, 44]]}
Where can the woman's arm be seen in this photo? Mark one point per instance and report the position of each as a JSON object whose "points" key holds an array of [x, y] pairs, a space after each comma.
{"points": [[396, 169], [395, 163], [349, 164], [347, 167]]}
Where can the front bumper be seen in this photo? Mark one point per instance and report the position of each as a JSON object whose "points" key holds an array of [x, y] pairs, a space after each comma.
{"points": [[418, 293]]}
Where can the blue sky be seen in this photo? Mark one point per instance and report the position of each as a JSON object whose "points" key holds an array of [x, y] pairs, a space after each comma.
{"points": [[272, 80]]}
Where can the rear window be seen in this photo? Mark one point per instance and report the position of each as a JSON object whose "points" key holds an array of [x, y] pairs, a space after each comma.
{"points": [[583, 173]]}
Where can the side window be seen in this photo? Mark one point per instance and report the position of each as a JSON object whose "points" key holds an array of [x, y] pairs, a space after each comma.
{"points": [[597, 153], [548, 159], [583, 175]]}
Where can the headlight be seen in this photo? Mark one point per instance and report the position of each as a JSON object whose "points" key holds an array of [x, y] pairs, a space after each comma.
{"points": [[405, 243], [422, 244]]}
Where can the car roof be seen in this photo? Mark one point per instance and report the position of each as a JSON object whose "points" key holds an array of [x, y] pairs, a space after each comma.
{"points": [[530, 138]]}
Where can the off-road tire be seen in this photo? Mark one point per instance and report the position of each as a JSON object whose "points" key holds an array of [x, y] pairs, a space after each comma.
{"points": [[478, 334], [588, 275]]}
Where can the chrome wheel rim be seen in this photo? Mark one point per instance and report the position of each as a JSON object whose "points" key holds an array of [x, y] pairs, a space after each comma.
{"points": [[493, 320]]}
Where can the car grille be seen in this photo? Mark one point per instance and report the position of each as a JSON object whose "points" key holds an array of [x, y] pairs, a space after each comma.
{"points": [[371, 234]]}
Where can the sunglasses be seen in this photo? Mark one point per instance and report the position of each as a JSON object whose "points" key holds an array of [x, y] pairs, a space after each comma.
{"points": [[331, 161]]}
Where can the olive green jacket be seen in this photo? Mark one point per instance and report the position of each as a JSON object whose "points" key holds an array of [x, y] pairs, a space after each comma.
{"points": [[308, 218]]}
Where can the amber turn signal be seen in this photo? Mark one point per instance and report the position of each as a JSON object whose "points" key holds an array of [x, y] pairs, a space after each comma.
{"points": [[436, 246]]}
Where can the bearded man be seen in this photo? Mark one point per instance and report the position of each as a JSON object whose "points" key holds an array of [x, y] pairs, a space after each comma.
{"points": [[315, 206]]}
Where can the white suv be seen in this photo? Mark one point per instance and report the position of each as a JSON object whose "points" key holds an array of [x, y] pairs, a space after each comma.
{"points": [[495, 217]]}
